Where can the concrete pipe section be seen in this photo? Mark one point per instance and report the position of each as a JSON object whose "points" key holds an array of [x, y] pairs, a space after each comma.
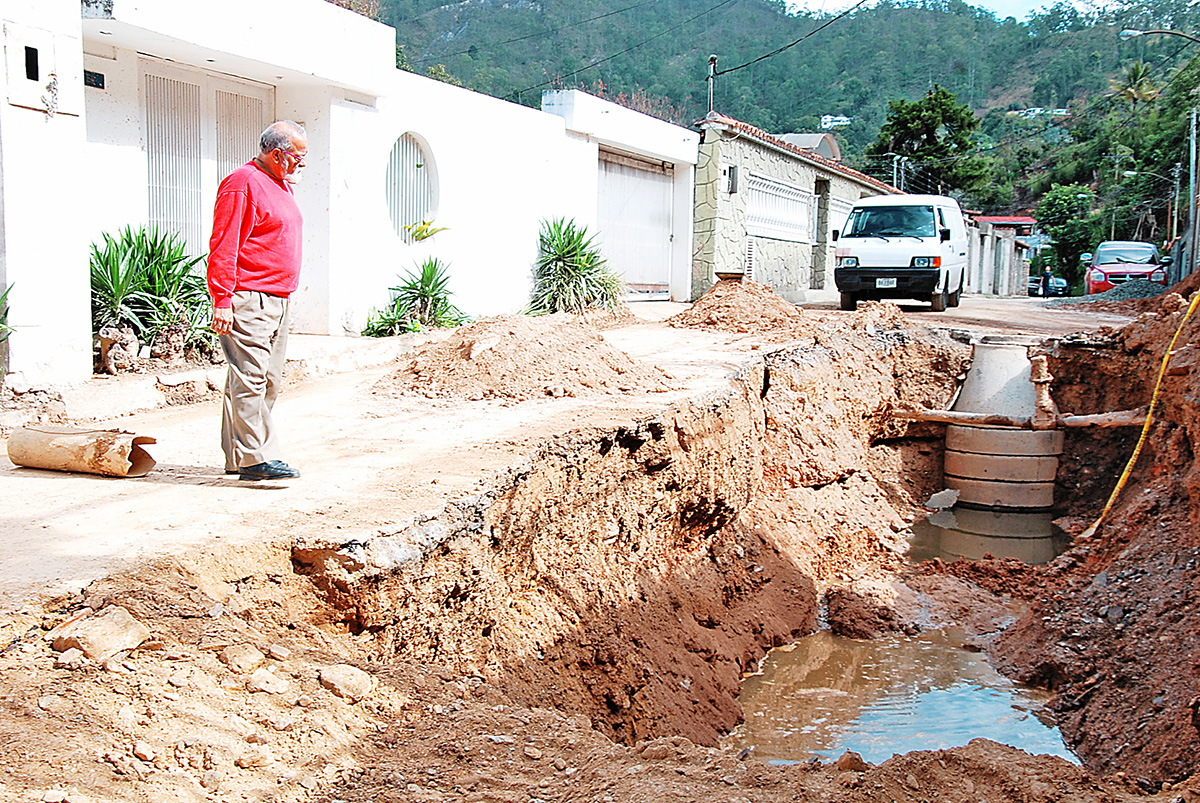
{"points": [[1001, 467]]}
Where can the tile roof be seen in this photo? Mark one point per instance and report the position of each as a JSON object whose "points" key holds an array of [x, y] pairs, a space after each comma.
{"points": [[716, 119], [1005, 220]]}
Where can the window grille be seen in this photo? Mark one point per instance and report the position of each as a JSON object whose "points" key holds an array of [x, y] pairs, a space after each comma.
{"points": [[839, 212], [778, 210], [410, 186], [173, 150], [751, 259], [240, 122]]}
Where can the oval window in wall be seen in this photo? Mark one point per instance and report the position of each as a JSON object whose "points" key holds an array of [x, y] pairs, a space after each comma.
{"points": [[411, 188]]}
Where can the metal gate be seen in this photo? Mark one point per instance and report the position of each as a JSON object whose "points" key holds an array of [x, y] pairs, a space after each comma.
{"points": [[635, 222]]}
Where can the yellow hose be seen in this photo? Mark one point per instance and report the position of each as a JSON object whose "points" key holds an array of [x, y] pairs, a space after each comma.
{"points": [[1137, 450]]}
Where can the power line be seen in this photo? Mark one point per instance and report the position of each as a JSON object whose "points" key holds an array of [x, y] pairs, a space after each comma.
{"points": [[540, 33], [779, 50], [517, 94]]}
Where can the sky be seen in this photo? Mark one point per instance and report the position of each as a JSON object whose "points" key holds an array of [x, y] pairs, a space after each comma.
{"points": [[1001, 8]]}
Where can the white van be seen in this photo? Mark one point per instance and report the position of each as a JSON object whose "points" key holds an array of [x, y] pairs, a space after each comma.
{"points": [[902, 246]]}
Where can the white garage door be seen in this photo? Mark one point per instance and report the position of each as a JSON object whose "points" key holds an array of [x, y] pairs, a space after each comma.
{"points": [[635, 222]]}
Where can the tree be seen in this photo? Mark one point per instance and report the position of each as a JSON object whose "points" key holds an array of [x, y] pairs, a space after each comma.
{"points": [[936, 133], [1135, 85], [1064, 215]]}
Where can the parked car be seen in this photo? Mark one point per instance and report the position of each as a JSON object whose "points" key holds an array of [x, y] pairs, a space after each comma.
{"points": [[1058, 286], [902, 246], [1118, 261]]}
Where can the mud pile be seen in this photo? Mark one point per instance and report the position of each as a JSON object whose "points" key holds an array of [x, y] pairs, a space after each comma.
{"points": [[517, 357], [732, 305]]}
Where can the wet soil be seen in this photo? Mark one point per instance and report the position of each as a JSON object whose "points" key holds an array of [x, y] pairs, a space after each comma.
{"points": [[576, 626]]}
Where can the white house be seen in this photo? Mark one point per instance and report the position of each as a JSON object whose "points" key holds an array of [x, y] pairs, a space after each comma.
{"points": [[133, 110]]}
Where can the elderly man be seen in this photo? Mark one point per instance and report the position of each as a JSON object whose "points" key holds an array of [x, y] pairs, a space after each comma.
{"points": [[253, 267]]}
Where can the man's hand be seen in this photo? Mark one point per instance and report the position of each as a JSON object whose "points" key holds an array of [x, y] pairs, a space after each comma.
{"points": [[222, 320]]}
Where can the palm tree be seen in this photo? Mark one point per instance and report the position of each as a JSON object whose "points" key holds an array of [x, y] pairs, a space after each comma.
{"points": [[1134, 85]]}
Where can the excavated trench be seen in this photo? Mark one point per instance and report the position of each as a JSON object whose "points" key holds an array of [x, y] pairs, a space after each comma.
{"points": [[635, 576]]}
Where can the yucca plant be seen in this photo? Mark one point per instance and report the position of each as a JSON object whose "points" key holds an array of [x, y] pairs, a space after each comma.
{"points": [[570, 275], [145, 279], [5, 329], [420, 301]]}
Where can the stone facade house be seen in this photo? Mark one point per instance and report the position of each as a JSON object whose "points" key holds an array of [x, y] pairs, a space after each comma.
{"points": [[766, 209]]}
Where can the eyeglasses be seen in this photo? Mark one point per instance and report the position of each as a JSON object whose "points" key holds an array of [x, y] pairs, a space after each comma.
{"points": [[299, 157]]}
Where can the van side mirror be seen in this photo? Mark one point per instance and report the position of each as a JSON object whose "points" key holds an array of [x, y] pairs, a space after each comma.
{"points": [[835, 235], [944, 235], [1167, 260]]}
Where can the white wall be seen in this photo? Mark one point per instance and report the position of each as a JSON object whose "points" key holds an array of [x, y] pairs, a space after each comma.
{"points": [[43, 252], [500, 169]]}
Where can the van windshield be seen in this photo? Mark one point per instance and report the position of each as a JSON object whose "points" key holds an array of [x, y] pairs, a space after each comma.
{"points": [[883, 221]]}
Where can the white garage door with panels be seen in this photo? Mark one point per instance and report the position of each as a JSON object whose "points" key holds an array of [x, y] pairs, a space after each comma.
{"points": [[635, 220]]}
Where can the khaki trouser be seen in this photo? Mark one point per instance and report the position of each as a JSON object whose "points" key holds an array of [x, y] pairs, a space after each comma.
{"points": [[256, 350]]}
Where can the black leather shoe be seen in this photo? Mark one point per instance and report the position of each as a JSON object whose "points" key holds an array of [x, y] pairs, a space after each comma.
{"points": [[271, 470]]}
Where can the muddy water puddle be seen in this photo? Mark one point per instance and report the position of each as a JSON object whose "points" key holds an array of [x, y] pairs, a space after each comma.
{"points": [[825, 694], [967, 533]]}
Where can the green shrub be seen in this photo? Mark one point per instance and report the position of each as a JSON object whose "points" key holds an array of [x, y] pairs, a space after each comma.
{"points": [[144, 279], [5, 329], [570, 274], [420, 301]]}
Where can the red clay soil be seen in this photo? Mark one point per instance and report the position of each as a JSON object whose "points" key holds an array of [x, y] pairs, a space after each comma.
{"points": [[519, 357]]}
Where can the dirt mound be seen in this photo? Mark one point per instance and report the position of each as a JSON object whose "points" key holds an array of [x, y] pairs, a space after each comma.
{"points": [[602, 318], [738, 306], [518, 357]]}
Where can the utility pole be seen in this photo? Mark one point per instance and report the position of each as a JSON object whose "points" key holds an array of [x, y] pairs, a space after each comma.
{"points": [[1175, 215], [712, 79], [1190, 264]]}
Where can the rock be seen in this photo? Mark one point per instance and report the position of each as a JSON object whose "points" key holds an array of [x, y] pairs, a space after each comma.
{"points": [[851, 762], [655, 752], [279, 652], [242, 658], [532, 753], [54, 796], [211, 780], [179, 679], [102, 636], [347, 681], [53, 704], [143, 751], [282, 723], [942, 499], [911, 782], [969, 785], [258, 757], [265, 680], [560, 763], [69, 659], [850, 780]]}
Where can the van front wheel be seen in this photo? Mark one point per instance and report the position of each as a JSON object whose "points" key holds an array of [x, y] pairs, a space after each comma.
{"points": [[938, 301], [849, 302]]}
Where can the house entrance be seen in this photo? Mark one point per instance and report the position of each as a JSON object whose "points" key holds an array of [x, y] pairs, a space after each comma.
{"points": [[635, 217]]}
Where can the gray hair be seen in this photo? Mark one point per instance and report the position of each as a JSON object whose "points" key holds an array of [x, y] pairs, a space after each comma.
{"points": [[280, 135]]}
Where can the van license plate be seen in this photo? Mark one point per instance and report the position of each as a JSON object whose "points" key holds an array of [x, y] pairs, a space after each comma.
{"points": [[884, 283]]}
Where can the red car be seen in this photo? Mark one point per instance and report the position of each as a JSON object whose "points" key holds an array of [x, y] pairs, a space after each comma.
{"points": [[1119, 261]]}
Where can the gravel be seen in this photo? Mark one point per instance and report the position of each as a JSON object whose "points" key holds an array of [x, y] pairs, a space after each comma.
{"points": [[1138, 288]]}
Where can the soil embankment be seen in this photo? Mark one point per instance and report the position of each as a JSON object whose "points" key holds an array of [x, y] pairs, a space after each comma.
{"points": [[577, 628]]}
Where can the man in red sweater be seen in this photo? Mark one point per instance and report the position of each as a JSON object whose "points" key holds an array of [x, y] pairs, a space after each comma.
{"points": [[253, 267]]}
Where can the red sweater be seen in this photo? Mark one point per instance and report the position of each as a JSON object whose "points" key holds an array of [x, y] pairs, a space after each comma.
{"points": [[256, 236]]}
